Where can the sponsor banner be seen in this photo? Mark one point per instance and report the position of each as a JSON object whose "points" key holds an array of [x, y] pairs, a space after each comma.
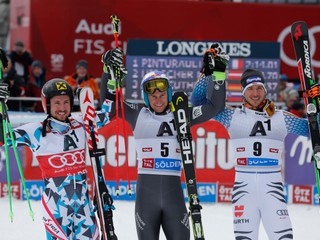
{"points": [[90, 33], [302, 194], [225, 193], [14, 172], [35, 190], [181, 61], [299, 169], [315, 196], [207, 192], [211, 150], [15, 189]]}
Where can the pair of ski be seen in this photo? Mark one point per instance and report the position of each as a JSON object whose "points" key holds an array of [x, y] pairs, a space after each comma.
{"points": [[300, 37], [102, 199]]}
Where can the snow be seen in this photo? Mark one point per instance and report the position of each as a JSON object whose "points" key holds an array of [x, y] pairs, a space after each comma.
{"points": [[217, 220]]}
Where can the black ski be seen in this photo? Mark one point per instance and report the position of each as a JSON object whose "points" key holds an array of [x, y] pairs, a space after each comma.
{"points": [[300, 37], [102, 199], [182, 123]]}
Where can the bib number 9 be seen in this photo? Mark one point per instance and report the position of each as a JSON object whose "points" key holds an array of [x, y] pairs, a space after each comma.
{"points": [[257, 148]]}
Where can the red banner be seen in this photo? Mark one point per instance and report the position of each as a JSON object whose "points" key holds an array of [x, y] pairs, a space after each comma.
{"points": [[210, 149], [60, 33]]}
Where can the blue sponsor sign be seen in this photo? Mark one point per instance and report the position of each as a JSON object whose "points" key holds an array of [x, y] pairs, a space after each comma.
{"points": [[123, 190], [167, 164], [207, 192], [262, 162], [315, 200], [35, 190]]}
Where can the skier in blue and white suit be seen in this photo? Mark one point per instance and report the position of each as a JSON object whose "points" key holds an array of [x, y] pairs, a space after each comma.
{"points": [[159, 196], [59, 146], [257, 131]]}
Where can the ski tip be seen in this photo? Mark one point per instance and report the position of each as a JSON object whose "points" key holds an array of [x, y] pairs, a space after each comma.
{"points": [[298, 23], [117, 192]]}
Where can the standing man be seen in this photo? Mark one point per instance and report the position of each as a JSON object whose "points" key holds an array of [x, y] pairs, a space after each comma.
{"points": [[21, 60], [59, 146], [159, 197], [257, 131], [81, 79]]}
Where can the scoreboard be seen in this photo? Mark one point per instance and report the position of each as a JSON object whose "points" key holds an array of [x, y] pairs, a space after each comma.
{"points": [[182, 61]]}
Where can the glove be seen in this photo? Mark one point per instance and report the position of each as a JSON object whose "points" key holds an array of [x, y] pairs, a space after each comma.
{"points": [[314, 91], [113, 58], [215, 62], [3, 58], [113, 85], [4, 92], [113, 64]]}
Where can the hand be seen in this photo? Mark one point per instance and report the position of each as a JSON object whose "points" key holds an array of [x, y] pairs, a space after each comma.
{"points": [[113, 58], [113, 86], [113, 64], [3, 58], [215, 62], [4, 92], [314, 91]]}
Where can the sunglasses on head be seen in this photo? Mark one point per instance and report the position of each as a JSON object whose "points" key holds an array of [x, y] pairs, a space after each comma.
{"points": [[157, 84]]}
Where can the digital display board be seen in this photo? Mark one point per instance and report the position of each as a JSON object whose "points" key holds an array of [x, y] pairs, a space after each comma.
{"points": [[182, 61]]}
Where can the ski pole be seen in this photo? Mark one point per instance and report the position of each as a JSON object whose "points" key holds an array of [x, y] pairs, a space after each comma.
{"points": [[115, 22], [8, 129], [15, 150], [4, 131]]}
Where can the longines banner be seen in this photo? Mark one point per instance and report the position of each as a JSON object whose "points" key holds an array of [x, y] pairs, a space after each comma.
{"points": [[80, 29]]}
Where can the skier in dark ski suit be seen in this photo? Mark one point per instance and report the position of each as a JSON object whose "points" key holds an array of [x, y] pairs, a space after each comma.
{"points": [[159, 195]]}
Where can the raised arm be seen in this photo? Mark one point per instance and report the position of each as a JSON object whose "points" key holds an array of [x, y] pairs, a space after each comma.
{"points": [[209, 94]]}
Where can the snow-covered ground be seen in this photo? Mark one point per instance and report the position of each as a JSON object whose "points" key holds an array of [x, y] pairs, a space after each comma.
{"points": [[217, 220]]}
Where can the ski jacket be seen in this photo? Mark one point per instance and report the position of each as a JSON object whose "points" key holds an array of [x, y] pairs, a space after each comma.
{"points": [[58, 154], [90, 82], [158, 151], [257, 140]]}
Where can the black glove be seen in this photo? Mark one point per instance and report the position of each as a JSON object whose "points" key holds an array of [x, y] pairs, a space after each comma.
{"points": [[113, 65], [3, 58], [4, 92], [113, 57], [214, 60]]}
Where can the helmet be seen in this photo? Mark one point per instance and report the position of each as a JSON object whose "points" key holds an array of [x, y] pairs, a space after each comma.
{"points": [[157, 85], [55, 87]]}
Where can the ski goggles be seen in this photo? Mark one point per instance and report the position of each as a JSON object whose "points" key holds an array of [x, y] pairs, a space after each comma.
{"points": [[157, 84], [58, 126]]}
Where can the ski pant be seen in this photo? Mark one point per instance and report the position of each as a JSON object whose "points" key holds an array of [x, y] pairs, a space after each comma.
{"points": [[160, 202], [259, 196], [67, 210]]}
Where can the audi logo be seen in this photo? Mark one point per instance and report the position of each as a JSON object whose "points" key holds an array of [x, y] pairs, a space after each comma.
{"points": [[313, 43], [67, 159], [282, 212]]}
